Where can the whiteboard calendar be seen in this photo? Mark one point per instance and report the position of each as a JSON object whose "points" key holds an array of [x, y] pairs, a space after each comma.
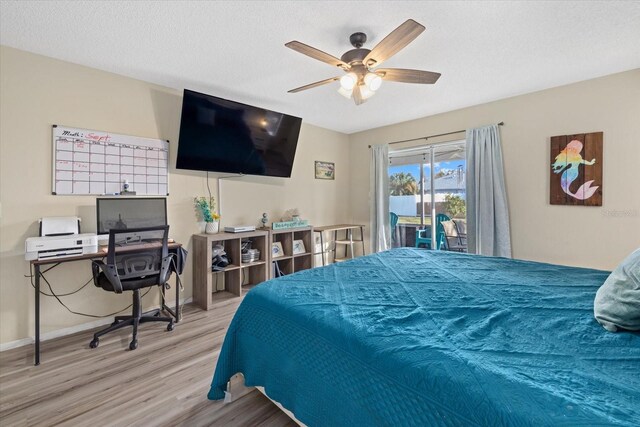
{"points": [[95, 162]]}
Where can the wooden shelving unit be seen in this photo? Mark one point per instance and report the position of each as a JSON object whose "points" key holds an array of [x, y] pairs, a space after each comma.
{"points": [[347, 242], [290, 262], [237, 277]]}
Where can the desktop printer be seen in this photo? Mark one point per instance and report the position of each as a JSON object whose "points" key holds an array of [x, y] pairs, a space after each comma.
{"points": [[60, 238]]}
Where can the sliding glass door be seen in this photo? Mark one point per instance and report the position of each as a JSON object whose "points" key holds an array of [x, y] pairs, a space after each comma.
{"points": [[427, 186]]}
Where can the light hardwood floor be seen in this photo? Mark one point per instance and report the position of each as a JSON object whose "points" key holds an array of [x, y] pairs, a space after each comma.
{"points": [[162, 383]]}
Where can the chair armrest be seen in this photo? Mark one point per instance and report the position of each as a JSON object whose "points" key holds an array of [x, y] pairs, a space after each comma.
{"points": [[165, 270], [424, 232], [110, 272]]}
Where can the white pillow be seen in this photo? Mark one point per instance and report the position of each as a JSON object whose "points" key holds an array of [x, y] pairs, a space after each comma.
{"points": [[462, 225], [617, 303], [449, 228]]}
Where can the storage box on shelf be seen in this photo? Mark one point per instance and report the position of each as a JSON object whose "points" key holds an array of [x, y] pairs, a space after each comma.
{"points": [[236, 278], [290, 262]]}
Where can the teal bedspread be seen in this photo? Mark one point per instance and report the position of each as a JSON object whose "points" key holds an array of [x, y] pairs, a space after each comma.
{"points": [[431, 338]]}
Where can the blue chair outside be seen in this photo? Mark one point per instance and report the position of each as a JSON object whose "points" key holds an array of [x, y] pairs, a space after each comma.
{"points": [[423, 237], [393, 222]]}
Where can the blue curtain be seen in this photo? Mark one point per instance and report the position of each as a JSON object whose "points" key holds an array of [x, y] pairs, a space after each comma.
{"points": [[487, 208]]}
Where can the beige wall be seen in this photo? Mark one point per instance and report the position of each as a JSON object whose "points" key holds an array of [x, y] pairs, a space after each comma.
{"points": [[37, 92], [596, 237]]}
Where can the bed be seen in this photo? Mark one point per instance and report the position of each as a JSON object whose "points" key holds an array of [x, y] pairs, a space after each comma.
{"points": [[432, 338]]}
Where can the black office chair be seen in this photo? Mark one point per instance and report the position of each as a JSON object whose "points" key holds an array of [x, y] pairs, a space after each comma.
{"points": [[137, 265]]}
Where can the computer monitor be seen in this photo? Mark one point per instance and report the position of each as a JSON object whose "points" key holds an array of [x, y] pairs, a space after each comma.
{"points": [[130, 212]]}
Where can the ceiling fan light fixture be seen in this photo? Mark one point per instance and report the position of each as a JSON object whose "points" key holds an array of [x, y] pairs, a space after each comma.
{"points": [[372, 81], [363, 77], [344, 92], [348, 81], [365, 92]]}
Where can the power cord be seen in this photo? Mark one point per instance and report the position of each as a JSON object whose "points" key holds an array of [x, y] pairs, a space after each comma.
{"points": [[85, 314], [31, 275], [208, 189], [179, 282], [57, 297]]}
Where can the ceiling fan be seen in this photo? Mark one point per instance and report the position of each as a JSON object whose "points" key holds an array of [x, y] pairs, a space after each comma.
{"points": [[363, 77]]}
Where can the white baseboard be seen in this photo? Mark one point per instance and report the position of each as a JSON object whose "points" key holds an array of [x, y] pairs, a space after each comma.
{"points": [[68, 331]]}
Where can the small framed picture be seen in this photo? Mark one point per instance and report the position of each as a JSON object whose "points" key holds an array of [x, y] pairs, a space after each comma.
{"points": [[298, 247], [276, 250], [325, 170]]}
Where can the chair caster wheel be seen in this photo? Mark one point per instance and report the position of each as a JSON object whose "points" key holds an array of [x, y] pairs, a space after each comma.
{"points": [[133, 345], [94, 343], [170, 327]]}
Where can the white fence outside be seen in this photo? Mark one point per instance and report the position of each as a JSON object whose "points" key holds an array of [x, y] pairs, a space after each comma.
{"points": [[404, 205], [408, 205]]}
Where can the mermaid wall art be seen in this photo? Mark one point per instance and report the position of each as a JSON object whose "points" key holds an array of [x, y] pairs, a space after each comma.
{"points": [[576, 169]]}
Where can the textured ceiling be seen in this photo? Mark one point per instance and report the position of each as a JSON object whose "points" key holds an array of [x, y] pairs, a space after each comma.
{"points": [[484, 50]]}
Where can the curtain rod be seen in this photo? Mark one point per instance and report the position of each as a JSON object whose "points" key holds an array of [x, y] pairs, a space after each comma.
{"points": [[419, 148], [433, 136]]}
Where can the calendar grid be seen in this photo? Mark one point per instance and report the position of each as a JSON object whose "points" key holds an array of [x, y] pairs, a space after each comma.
{"points": [[91, 162]]}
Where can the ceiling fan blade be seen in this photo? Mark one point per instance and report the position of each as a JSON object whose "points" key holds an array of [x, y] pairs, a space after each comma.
{"points": [[394, 42], [317, 54], [357, 96], [408, 76], [312, 85]]}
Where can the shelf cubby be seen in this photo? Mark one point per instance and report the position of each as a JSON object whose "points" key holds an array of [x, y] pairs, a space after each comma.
{"points": [[290, 262], [236, 278], [254, 274]]}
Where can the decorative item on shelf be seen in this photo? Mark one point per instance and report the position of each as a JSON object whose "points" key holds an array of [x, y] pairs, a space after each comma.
{"points": [[276, 250], [212, 227], [298, 247], [125, 189], [205, 209], [264, 220], [325, 170], [289, 224]]}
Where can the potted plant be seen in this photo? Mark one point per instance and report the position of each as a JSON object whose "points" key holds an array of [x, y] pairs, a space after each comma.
{"points": [[206, 210]]}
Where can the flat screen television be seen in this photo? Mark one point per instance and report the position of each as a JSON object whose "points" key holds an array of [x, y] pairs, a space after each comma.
{"points": [[131, 212], [219, 135]]}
